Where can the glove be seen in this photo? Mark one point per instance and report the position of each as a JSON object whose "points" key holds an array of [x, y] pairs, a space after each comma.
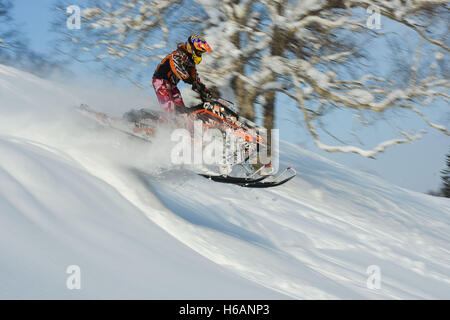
{"points": [[205, 94], [198, 86]]}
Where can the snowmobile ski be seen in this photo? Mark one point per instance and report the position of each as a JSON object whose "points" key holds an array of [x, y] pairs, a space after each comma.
{"points": [[254, 183], [263, 184], [232, 180]]}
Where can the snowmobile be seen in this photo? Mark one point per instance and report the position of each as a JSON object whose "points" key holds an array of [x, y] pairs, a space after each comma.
{"points": [[219, 115]]}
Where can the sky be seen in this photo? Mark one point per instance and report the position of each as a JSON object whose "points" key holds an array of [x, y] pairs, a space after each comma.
{"points": [[415, 166]]}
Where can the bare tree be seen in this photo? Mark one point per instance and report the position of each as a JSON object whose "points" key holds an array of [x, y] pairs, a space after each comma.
{"points": [[311, 51], [14, 49], [125, 36], [307, 49], [11, 43]]}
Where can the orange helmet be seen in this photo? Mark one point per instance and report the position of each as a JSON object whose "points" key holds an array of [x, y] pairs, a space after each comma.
{"points": [[196, 46]]}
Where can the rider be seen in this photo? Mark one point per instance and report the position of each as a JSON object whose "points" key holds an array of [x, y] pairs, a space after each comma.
{"points": [[180, 65]]}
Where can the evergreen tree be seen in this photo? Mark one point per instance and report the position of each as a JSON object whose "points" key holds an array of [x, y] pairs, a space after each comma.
{"points": [[446, 179]]}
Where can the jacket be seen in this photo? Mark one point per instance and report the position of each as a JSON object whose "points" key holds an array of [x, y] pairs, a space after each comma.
{"points": [[177, 66]]}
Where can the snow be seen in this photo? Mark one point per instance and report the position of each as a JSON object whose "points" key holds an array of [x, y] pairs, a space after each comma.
{"points": [[72, 193], [439, 55], [360, 96], [318, 77], [392, 96], [54, 213], [91, 12], [310, 5]]}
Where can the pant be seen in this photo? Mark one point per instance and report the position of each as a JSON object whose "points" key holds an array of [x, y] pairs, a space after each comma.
{"points": [[169, 96]]}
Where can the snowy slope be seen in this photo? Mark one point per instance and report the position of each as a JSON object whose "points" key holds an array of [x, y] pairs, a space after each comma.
{"points": [[73, 193]]}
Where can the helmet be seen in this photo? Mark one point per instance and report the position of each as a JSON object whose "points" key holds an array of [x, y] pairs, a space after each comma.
{"points": [[196, 46]]}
